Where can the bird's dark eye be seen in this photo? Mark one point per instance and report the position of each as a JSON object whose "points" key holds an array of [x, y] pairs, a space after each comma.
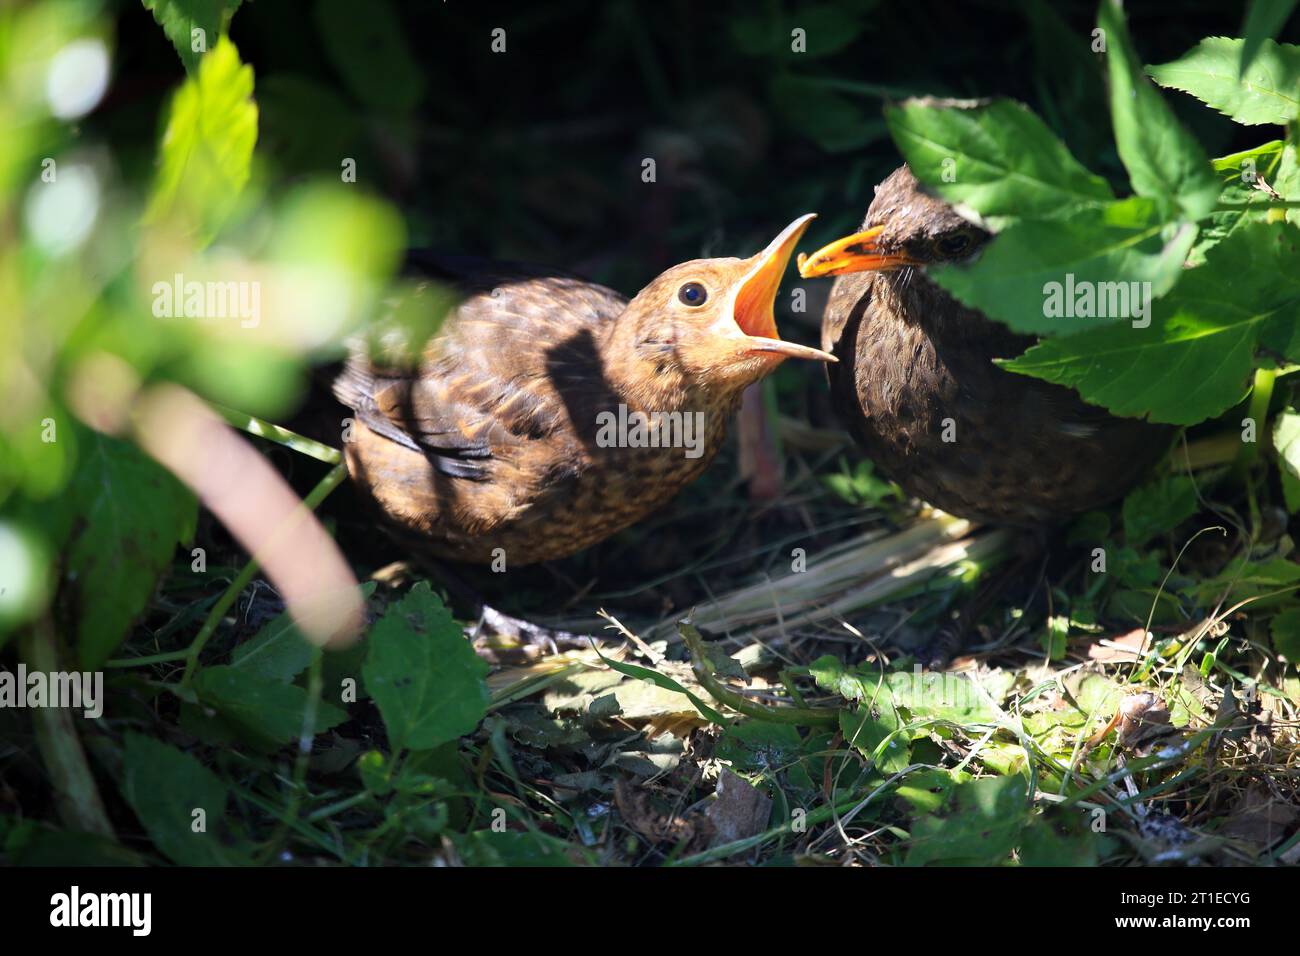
{"points": [[693, 294], [955, 244]]}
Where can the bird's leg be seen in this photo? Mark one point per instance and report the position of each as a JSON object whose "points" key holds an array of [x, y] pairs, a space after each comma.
{"points": [[951, 638]]}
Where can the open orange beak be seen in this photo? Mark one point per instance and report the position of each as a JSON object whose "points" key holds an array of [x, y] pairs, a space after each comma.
{"points": [[756, 295], [856, 253]]}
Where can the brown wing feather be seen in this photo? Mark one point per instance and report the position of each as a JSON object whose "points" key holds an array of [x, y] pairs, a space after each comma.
{"points": [[495, 376]]}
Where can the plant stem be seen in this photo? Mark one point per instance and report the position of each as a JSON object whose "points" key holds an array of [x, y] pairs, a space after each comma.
{"points": [[75, 793], [819, 716], [1260, 396], [281, 436], [213, 620]]}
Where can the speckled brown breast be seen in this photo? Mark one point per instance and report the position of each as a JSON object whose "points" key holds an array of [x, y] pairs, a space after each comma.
{"points": [[916, 367]]}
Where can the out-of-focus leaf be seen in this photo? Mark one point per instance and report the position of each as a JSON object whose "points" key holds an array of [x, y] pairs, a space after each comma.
{"points": [[1164, 161], [1268, 92], [830, 119], [423, 674], [1195, 358], [1263, 20], [368, 45], [127, 515], [166, 788], [180, 19], [997, 157], [207, 148]]}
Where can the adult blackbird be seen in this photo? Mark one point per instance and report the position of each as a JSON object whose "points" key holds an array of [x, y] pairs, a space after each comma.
{"points": [[534, 423], [917, 386]]}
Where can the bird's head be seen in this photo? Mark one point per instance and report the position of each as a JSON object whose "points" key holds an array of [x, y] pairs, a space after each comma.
{"points": [[711, 320], [905, 226]]}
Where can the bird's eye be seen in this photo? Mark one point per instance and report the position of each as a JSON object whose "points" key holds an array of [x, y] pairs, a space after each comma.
{"points": [[693, 294], [955, 244]]}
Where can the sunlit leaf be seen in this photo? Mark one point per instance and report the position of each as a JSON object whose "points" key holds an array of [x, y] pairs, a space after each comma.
{"points": [[1195, 359], [998, 158], [1269, 91], [1163, 160], [207, 147]]}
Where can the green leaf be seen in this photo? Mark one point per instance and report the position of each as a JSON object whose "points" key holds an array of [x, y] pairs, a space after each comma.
{"points": [[1163, 160], [1285, 628], [1286, 440], [423, 674], [1195, 359], [1243, 580], [368, 45], [1158, 507], [165, 787], [279, 651], [180, 18], [981, 830], [1263, 20], [207, 148], [1035, 275], [129, 515], [997, 157], [867, 729], [1269, 91], [267, 711], [663, 682]]}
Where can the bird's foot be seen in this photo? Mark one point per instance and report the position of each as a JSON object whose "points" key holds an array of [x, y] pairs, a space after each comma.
{"points": [[500, 638]]}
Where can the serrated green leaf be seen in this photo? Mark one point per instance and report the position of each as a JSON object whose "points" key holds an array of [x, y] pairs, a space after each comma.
{"points": [[181, 18], [129, 515], [1195, 359], [266, 710], [997, 157], [1269, 92], [207, 147], [1035, 275], [423, 674], [1157, 507], [1164, 161], [165, 787]]}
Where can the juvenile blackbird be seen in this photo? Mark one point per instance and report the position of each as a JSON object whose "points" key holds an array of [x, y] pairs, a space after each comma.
{"points": [[520, 428], [916, 368]]}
